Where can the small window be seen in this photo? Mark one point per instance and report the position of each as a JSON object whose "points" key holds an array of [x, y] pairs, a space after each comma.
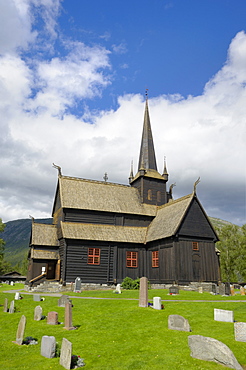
{"points": [[149, 194], [155, 259], [159, 196], [93, 256], [131, 259], [195, 246]]}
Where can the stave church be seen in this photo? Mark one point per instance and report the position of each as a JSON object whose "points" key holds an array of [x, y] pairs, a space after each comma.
{"points": [[103, 232]]}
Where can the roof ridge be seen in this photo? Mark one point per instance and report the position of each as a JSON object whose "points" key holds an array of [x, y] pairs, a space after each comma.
{"points": [[94, 181], [176, 200], [104, 225]]}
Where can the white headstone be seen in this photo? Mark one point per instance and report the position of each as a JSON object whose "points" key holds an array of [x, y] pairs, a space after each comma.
{"points": [[17, 296], [12, 307], [240, 331], [157, 303], [118, 289], [223, 315]]}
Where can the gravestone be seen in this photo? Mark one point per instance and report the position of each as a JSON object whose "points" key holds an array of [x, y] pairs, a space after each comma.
{"points": [[12, 307], [38, 312], [222, 289], [223, 315], [227, 289], [48, 346], [174, 289], [68, 317], [210, 349], [66, 353], [143, 292], [200, 289], [63, 300], [157, 303], [21, 330], [77, 285], [5, 306], [177, 322], [232, 290], [52, 318], [36, 297], [17, 296], [242, 290], [240, 331], [118, 289], [213, 288], [12, 283]]}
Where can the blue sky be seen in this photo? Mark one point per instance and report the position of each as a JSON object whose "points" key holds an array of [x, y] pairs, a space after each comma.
{"points": [[73, 76]]}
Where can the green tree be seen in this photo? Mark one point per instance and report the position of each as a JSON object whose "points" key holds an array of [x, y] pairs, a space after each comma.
{"points": [[232, 252]]}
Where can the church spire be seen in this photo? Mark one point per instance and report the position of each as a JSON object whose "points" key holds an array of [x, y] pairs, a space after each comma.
{"points": [[147, 151]]}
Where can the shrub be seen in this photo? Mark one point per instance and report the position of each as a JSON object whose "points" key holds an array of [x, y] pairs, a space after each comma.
{"points": [[129, 283]]}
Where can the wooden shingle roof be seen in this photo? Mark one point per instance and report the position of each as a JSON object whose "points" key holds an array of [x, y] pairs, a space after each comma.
{"points": [[168, 218], [101, 196], [44, 234], [120, 234]]}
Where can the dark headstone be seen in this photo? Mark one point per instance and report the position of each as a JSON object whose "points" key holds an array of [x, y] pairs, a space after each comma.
{"points": [[209, 349], [222, 289], [213, 287], [52, 318], [48, 346], [227, 289], [77, 285], [174, 289], [21, 330], [66, 354], [143, 292]]}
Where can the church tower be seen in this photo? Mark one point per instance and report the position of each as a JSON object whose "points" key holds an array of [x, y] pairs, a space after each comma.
{"points": [[150, 183]]}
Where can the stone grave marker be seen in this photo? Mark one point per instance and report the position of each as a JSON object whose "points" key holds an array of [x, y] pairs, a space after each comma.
{"points": [[12, 283], [68, 317], [240, 331], [48, 346], [17, 296], [36, 297], [143, 292], [5, 306], [223, 315], [227, 289], [118, 289], [38, 312], [210, 349], [222, 289], [174, 289], [200, 289], [157, 303], [213, 288], [242, 290], [63, 300], [177, 322], [232, 290], [52, 318], [77, 285], [12, 307], [66, 354], [21, 330]]}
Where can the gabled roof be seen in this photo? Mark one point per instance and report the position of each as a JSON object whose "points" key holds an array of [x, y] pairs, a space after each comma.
{"points": [[107, 233], [43, 234], [101, 196], [168, 218]]}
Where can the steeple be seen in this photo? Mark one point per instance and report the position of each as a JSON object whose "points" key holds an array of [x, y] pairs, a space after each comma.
{"points": [[147, 152]]}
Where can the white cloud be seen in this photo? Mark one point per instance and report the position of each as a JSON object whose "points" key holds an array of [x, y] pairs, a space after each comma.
{"points": [[201, 136]]}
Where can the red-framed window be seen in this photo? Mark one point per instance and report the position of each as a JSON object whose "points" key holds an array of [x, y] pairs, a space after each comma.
{"points": [[155, 259], [93, 257], [131, 259], [195, 246]]}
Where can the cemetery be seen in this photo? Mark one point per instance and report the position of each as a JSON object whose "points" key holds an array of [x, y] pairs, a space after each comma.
{"points": [[104, 330]]}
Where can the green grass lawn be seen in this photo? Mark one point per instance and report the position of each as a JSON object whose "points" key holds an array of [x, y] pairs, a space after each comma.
{"points": [[117, 334]]}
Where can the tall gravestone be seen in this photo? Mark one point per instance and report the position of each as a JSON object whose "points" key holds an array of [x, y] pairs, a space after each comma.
{"points": [[66, 354], [48, 346], [12, 307], [38, 312], [21, 330], [77, 285], [242, 290], [227, 288], [240, 331], [68, 317], [143, 292], [5, 306], [213, 288], [222, 289]]}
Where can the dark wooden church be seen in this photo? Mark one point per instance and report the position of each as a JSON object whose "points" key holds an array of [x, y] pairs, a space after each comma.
{"points": [[103, 232]]}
